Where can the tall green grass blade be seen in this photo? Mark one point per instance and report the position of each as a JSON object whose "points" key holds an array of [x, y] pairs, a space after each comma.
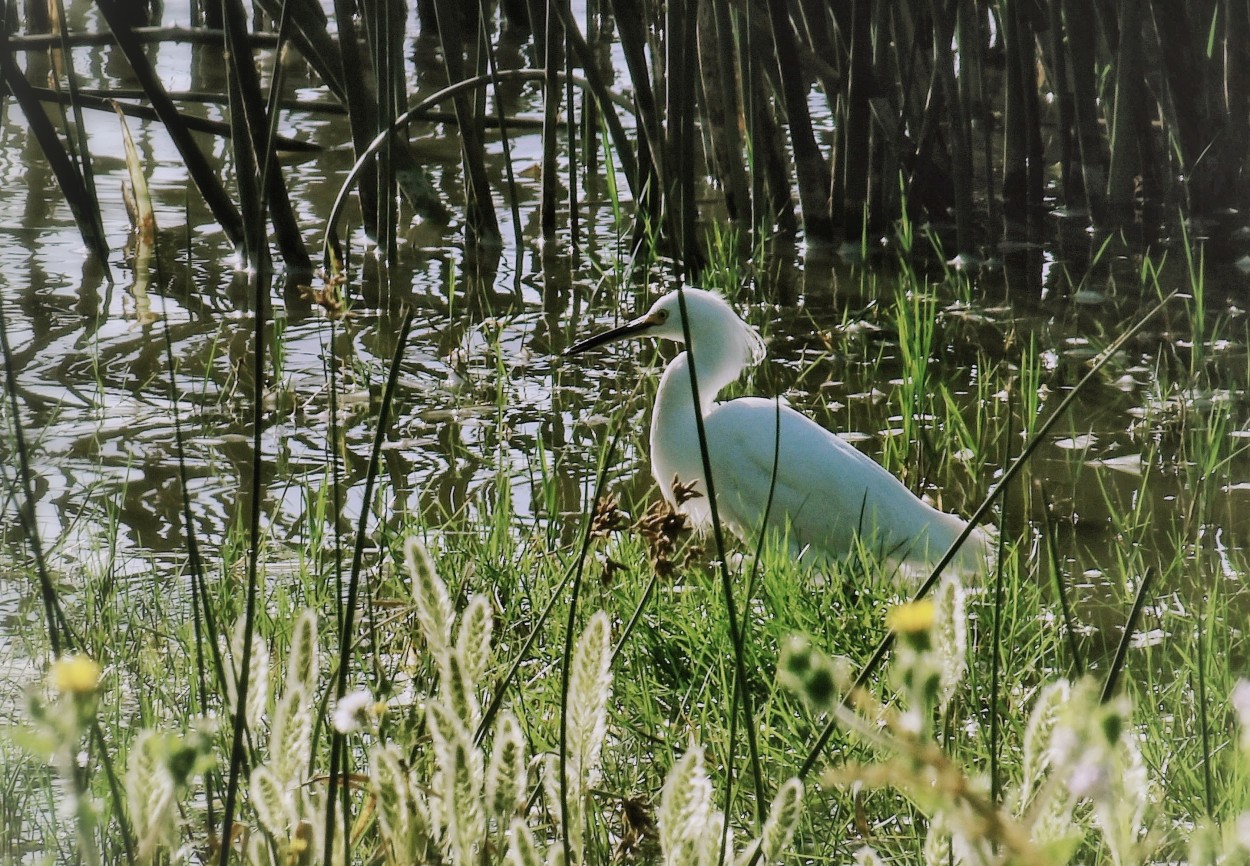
{"points": [[1061, 588], [1126, 639], [1204, 720], [996, 644]]}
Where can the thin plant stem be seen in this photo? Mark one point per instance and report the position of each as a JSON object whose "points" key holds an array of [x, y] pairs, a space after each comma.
{"points": [[60, 637], [1130, 629], [260, 285], [1204, 722], [736, 634], [570, 624], [1061, 589], [996, 646], [338, 745]]}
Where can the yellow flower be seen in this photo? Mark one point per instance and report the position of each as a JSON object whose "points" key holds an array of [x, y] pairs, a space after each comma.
{"points": [[910, 618], [76, 675]]}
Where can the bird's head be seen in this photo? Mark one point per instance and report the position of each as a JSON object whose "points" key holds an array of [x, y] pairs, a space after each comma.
{"points": [[713, 323]]}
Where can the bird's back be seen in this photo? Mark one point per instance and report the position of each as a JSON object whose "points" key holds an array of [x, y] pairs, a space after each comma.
{"points": [[826, 495]]}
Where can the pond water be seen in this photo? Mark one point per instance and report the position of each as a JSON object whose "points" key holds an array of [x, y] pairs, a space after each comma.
{"points": [[485, 402]]}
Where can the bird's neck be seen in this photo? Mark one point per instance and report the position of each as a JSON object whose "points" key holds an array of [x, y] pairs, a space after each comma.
{"points": [[714, 368], [674, 424]]}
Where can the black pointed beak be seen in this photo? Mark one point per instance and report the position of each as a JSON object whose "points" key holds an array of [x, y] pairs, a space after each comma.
{"points": [[629, 329]]}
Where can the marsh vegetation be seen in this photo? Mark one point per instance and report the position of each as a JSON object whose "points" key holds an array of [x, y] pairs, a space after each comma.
{"points": [[339, 561]]}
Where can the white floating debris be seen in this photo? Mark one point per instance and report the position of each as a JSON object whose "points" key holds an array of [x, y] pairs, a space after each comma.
{"points": [[1077, 443], [1129, 464]]}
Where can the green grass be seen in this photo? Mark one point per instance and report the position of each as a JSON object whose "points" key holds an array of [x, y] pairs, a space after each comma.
{"points": [[673, 671]]}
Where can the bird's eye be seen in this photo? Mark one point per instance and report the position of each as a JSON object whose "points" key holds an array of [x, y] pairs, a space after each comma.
{"points": [[662, 315]]}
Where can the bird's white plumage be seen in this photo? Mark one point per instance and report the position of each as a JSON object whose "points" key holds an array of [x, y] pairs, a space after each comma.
{"points": [[818, 490]]}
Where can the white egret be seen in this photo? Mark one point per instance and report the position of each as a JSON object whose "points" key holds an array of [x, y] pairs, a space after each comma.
{"points": [[825, 494]]}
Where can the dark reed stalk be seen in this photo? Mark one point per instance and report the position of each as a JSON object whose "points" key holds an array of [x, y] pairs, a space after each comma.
{"points": [[957, 111], [37, 18], [598, 87], [1080, 44], [551, 46], [244, 112], [718, 62], [78, 144], [201, 172], [681, 84], [481, 222], [332, 244], [1197, 125], [1130, 629], [359, 91], [68, 177], [256, 170], [100, 102], [930, 182], [811, 169], [737, 627], [768, 150], [338, 745], [209, 12], [819, 49], [1043, 430], [974, 27], [501, 120], [1056, 54], [854, 138], [632, 35], [1018, 48], [1126, 162], [384, 23], [1236, 84], [286, 229], [888, 146]]}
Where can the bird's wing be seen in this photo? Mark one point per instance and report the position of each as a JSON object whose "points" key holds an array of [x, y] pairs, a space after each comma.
{"points": [[825, 492]]}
